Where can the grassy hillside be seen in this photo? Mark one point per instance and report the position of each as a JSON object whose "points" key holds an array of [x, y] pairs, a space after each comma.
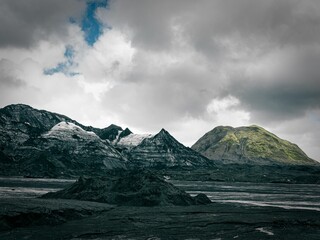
{"points": [[248, 145]]}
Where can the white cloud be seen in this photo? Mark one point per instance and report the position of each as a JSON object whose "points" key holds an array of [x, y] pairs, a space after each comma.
{"points": [[220, 105], [227, 111], [108, 60]]}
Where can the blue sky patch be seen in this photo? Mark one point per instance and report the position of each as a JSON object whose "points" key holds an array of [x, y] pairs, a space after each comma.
{"points": [[90, 25], [92, 28], [63, 67]]}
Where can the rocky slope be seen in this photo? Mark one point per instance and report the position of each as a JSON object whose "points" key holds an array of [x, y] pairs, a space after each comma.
{"points": [[41, 143], [249, 145], [163, 150], [67, 149], [129, 188]]}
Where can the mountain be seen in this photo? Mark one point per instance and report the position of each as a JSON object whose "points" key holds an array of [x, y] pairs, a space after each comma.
{"points": [[23, 121], [249, 145], [41, 143], [163, 150]]}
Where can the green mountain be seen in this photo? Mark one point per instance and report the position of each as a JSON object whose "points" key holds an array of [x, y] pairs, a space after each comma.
{"points": [[249, 145]]}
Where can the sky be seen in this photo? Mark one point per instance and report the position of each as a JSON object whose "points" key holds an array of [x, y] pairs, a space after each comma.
{"points": [[186, 66]]}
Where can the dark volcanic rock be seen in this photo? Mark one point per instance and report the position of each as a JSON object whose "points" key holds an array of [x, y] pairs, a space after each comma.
{"points": [[128, 188]]}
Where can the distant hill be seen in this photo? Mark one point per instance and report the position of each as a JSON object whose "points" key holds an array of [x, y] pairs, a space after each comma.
{"points": [[249, 145]]}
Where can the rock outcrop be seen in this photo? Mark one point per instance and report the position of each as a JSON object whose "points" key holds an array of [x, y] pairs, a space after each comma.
{"points": [[130, 189]]}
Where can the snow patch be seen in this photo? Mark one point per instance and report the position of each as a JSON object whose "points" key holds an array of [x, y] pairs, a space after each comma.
{"points": [[69, 130], [117, 137], [133, 140]]}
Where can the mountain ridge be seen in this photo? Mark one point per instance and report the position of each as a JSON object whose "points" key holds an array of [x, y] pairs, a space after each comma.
{"points": [[42, 143], [44, 125]]}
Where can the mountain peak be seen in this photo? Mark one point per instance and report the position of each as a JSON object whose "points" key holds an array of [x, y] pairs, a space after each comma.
{"points": [[165, 138], [163, 132], [163, 150], [113, 126]]}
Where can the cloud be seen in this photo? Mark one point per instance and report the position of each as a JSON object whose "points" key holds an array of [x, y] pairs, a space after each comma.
{"points": [[10, 74], [63, 67], [209, 22], [228, 40], [24, 23], [284, 85], [225, 111]]}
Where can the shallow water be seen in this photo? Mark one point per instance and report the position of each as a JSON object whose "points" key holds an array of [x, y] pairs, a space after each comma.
{"points": [[287, 196], [18, 187]]}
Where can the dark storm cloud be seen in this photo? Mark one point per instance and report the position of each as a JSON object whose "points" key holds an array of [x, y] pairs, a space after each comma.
{"points": [[24, 23], [280, 101], [230, 35], [149, 22], [204, 23], [255, 23], [288, 93]]}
